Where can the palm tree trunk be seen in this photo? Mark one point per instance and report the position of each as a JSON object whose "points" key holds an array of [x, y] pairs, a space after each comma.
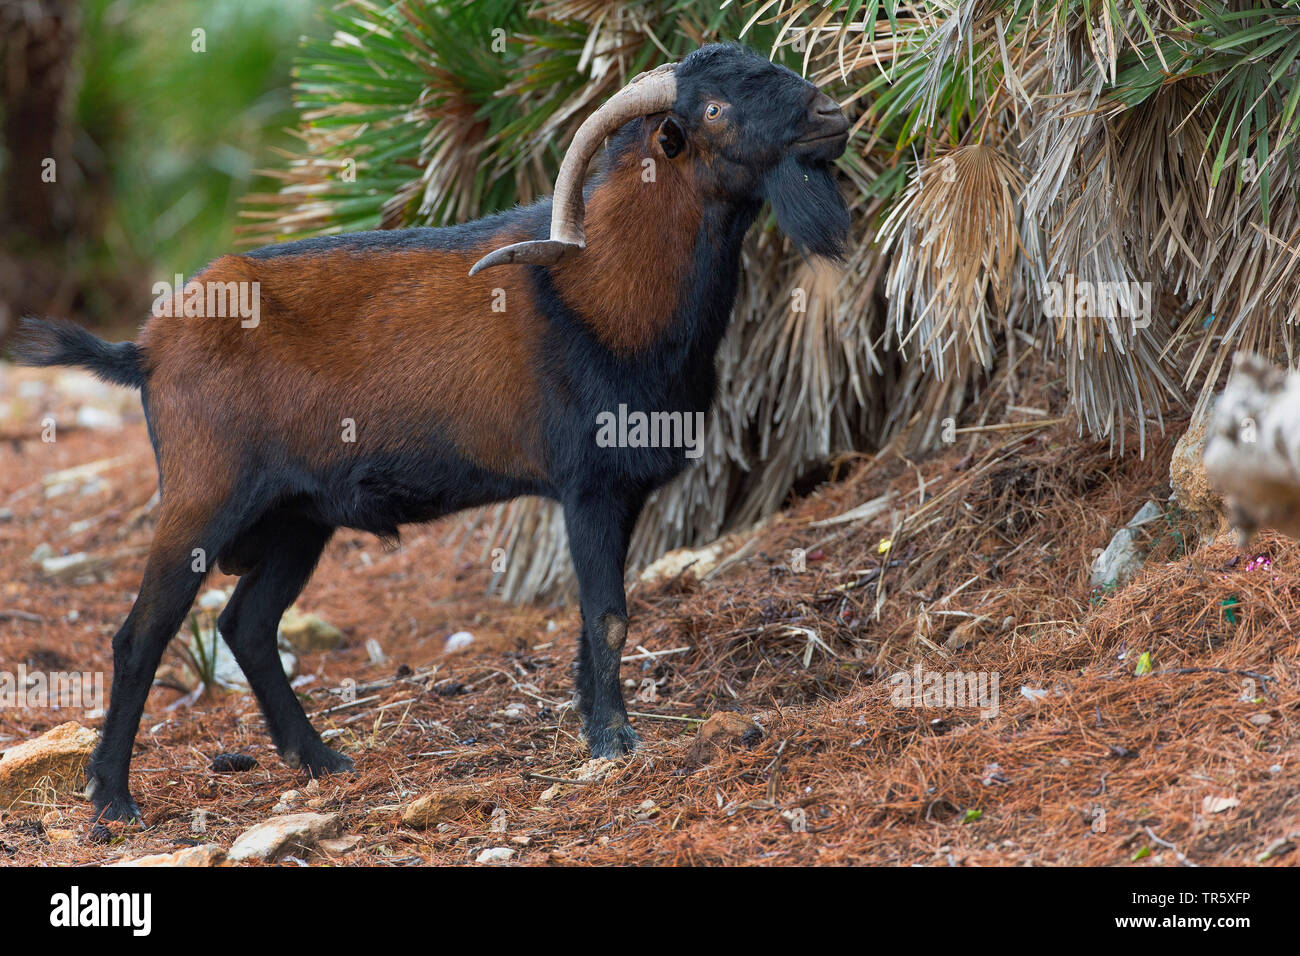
{"points": [[38, 40]]}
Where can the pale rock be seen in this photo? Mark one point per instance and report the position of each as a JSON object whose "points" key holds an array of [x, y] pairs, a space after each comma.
{"points": [[700, 561], [460, 641], [93, 417], [226, 671], [441, 806], [1191, 482], [340, 846], [56, 760], [209, 854], [288, 801], [71, 568], [515, 710], [214, 599], [306, 633], [1218, 804], [278, 837], [1123, 557]]}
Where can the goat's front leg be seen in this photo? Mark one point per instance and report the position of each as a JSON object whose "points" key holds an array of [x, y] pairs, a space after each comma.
{"points": [[599, 529]]}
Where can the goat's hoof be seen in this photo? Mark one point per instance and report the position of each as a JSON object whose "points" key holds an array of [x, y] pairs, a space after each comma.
{"points": [[120, 809], [321, 760], [612, 742]]}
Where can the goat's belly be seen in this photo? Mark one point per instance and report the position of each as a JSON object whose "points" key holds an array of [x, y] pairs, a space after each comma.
{"points": [[380, 492]]}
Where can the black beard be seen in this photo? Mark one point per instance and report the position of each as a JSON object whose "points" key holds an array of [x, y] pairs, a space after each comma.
{"points": [[808, 206]]}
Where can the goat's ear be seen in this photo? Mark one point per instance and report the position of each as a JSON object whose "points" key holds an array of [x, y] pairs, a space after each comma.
{"points": [[672, 138]]}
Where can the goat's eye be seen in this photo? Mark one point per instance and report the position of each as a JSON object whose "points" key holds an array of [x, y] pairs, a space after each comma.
{"points": [[712, 111]]}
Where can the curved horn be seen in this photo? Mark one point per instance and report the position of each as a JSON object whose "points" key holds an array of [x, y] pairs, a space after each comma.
{"points": [[650, 92]]}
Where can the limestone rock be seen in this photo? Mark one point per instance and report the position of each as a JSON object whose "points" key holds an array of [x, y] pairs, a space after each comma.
{"points": [[307, 632], [78, 568], [1123, 557], [209, 645], [278, 837], [56, 759], [443, 806], [460, 641], [700, 561], [1191, 482], [209, 854]]}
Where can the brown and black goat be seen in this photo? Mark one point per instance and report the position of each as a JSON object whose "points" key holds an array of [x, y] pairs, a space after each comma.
{"points": [[398, 376]]}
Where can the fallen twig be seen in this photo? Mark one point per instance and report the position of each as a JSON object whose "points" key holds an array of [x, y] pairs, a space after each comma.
{"points": [[547, 778], [10, 615]]}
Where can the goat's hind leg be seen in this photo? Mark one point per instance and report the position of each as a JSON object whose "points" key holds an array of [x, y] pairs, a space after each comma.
{"points": [[249, 625], [174, 571]]}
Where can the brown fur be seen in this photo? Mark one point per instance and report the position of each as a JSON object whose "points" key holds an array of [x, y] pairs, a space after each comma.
{"points": [[396, 342], [615, 631], [626, 283]]}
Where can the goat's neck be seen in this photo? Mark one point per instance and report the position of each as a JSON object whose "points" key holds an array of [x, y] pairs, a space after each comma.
{"points": [[660, 268]]}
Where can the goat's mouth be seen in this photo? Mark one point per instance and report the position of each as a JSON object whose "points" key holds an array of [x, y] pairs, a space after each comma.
{"points": [[843, 137], [822, 146]]}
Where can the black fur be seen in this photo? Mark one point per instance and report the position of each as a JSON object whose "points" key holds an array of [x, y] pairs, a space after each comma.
{"points": [[55, 342], [807, 206]]}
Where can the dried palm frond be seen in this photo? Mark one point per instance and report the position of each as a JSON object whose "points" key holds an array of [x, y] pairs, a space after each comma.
{"points": [[955, 244]]}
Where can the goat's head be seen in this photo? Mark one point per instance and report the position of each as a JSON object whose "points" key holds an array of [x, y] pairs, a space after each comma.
{"points": [[754, 131]]}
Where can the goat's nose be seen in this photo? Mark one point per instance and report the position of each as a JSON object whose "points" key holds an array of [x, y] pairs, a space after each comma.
{"points": [[824, 106]]}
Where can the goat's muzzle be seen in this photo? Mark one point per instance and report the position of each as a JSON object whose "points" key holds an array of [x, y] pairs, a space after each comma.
{"points": [[826, 129]]}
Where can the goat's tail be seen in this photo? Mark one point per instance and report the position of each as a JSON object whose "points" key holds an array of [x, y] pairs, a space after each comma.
{"points": [[55, 342]]}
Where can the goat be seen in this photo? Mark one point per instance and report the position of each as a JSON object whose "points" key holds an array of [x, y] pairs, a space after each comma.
{"points": [[463, 390]]}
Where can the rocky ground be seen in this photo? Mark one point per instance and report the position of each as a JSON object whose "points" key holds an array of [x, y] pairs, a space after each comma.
{"points": [[784, 683]]}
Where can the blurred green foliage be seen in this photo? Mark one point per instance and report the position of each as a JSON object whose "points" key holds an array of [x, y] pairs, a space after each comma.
{"points": [[181, 133]]}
